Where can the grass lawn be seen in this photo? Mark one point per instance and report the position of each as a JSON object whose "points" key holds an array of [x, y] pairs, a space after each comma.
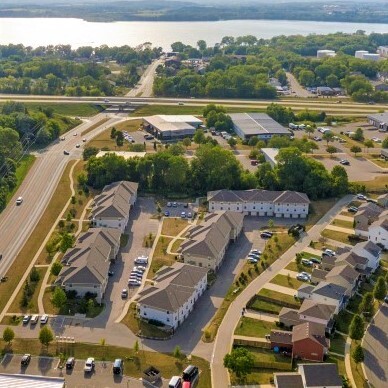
{"points": [[136, 325], [23, 259], [129, 126], [354, 303], [294, 267], [266, 355], [32, 307], [337, 344], [94, 126], [337, 236], [343, 321], [317, 210], [134, 364], [357, 372], [268, 307], [173, 226], [380, 162], [278, 296], [284, 281], [272, 251], [343, 223], [160, 257], [21, 171], [258, 376], [251, 327], [376, 185], [177, 244]]}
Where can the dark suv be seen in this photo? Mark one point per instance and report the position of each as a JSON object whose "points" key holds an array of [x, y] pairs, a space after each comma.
{"points": [[70, 363], [191, 374], [118, 366]]}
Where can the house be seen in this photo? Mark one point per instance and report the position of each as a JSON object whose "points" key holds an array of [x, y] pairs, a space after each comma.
{"points": [[382, 200], [346, 276], [247, 125], [173, 295], [379, 120], [171, 127], [309, 342], [287, 204], [322, 314], [270, 155], [318, 275], [281, 339], [378, 231], [328, 262], [367, 213], [111, 208], [207, 243], [359, 263], [316, 375], [289, 317], [370, 251], [304, 291], [384, 153], [86, 265], [325, 91]]}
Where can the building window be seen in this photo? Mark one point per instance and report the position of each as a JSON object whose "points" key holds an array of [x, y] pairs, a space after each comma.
{"points": [[168, 319], [167, 312]]}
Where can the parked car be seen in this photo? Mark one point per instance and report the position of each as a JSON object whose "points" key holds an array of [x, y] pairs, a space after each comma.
{"points": [[70, 363], [77, 145], [253, 255], [19, 201], [139, 268], [254, 162], [266, 234], [118, 366], [25, 359], [134, 283], [317, 138], [189, 215], [255, 252], [84, 140], [183, 214], [191, 374], [111, 273], [252, 260], [169, 204], [361, 196], [371, 200], [315, 260], [66, 152], [89, 365], [329, 252], [352, 209], [44, 319], [34, 319], [307, 262], [26, 319], [124, 294], [175, 382], [345, 162], [302, 277], [174, 204]]}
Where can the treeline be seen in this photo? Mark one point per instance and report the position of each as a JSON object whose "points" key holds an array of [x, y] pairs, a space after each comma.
{"points": [[168, 172], [59, 70], [19, 130]]}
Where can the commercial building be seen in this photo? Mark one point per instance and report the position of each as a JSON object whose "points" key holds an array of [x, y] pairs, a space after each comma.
{"points": [[111, 208], [270, 155], [325, 53], [207, 243], [172, 296], [171, 127], [371, 57], [379, 121], [247, 125], [8, 380], [287, 204], [325, 91], [86, 265], [360, 53]]}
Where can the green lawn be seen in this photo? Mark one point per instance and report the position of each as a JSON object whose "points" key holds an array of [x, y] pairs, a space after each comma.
{"points": [[343, 223], [261, 305], [337, 236], [160, 256], [279, 297], [343, 321], [337, 344], [66, 109], [258, 376], [294, 267], [254, 327], [267, 355], [284, 281], [357, 372]]}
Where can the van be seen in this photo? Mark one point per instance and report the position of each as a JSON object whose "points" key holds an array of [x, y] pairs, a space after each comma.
{"points": [[34, 319], [118, 366], [292, 126], [191, 374], [175, 382]]}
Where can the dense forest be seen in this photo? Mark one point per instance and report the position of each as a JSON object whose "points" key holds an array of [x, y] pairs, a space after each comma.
{"points": [[346, 11], [242, 67], [19, 131], [59, 70]]}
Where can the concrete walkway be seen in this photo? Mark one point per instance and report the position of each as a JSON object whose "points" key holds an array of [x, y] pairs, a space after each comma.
{"points": [[179, 237], [223, 342], [261, 316], [344, 218], [313, 251], [246, 338], [340, 229], [348, 366], [282, 289], [287, 272]]}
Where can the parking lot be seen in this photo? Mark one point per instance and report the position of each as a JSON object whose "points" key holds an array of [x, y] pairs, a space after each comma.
{"points": [[175, 209]]}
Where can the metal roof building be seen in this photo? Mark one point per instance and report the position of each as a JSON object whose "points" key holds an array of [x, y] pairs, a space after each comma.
{"points": [[247, 125], [379, 121], [29, 381]]}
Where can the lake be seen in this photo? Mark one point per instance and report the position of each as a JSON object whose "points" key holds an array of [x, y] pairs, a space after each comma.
{"points": [[77, 32]]}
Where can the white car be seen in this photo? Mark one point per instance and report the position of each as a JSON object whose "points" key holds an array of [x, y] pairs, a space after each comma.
{"points": [[139, 268], [134, 283], [307, 262], [77, 146], [302, 277], [44, 319], [19, 201], [34, 319], [89, 365], [252, 260], [329, 252], [255, 252], [376, 139], [361, 196]]}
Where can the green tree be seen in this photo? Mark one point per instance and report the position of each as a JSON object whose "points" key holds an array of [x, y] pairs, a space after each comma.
{"points": [[177, 352], [384, 144], [113, 133], [358, 354], [380, 288], [232, 142], [368, 144], [119, 138], [366, 305], [34, 275], [328, 136], [46, 336], [136, 347], [309, 130], [56, 268], [355, 149], [340, 181], [186, 142], [88, 152], [8, 335], [67, 241], [331, 150], [59, 298], [240, 361], [252, 142], [199, 137], [359, 135], [356, 329]]}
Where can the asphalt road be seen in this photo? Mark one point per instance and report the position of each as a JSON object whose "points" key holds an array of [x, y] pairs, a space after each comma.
{"points": [[18, 222], [375, 345], [296, 87]]}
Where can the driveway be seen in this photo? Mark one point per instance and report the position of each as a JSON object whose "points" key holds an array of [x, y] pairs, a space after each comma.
{"points": [[375, 345]]}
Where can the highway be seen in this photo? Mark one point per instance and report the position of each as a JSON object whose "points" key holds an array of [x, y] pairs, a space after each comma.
{"points": [[18, 222]]}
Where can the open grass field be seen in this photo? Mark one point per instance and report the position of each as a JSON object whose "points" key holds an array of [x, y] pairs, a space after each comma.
{"points": [[23, 259], [253, 327], [337, 236], [21, 171], [268, 307], [378, 184], [134, 363], [173, 226], [160, 257], [94, 126], [284, 281]]}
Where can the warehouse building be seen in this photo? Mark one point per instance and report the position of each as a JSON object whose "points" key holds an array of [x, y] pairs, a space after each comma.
{"points": [[379, 121], [247, 125], [171, 127]]}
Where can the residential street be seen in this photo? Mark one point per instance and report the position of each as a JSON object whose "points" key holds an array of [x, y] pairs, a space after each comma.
{"points": [[223, 342], [375, 345]]}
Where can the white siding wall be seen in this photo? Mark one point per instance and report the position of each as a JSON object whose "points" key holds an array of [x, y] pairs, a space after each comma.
{"points": [[111, 223], [373, 262], [82, 289], [378, 235]]}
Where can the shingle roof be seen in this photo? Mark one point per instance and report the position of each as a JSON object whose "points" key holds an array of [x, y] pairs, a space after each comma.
{"points": [[351, 258], [382, 222], [332, 291], [288, 380], [316, 310], [320, 375], [256, 195], [319, 274], [310, 330], [345, 271], [369, 210], [173, 288], [289, 315], [370, 247], [281, 337]]}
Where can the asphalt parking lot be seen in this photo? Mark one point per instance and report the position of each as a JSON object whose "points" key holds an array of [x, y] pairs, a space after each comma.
{"points": [[177, 208]]}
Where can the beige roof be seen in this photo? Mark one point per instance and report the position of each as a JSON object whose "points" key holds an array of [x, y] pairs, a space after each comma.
{"points": [[382, 222], [369, 210], [288, 380], [352, 259], [289, 315], [316, 310], [370, 247], [173, 287], [281, 337], [344, 271], [310, 330], [319, 274]]}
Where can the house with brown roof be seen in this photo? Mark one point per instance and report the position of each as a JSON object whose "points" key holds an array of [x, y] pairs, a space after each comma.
{"points": [[318, 275], [378, 231], [287, 204], [207, 243], [346, 276], [367, 213], [382, 200], [309, 342], [111, 208], [86, 265], [281, 339], [289, 317], [172, 296], [371, 252]]}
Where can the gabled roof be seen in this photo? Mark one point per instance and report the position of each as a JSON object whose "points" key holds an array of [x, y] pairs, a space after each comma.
{"points": [[329, 260], [306, 288], [332, 291], [316, 310], [369, 210], [288, 380], [290, 315], [382, 222], [320, 375], [344, 271], [352, 259], [370, 247], [310, 330], [281, 337], [319, 274]]}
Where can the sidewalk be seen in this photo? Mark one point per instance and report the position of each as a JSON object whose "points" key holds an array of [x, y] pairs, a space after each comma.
{"points": [[261, 316], [340, 229], [282, 289]]}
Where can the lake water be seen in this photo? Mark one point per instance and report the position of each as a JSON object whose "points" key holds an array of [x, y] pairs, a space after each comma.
{"points": [[77, 32]]}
